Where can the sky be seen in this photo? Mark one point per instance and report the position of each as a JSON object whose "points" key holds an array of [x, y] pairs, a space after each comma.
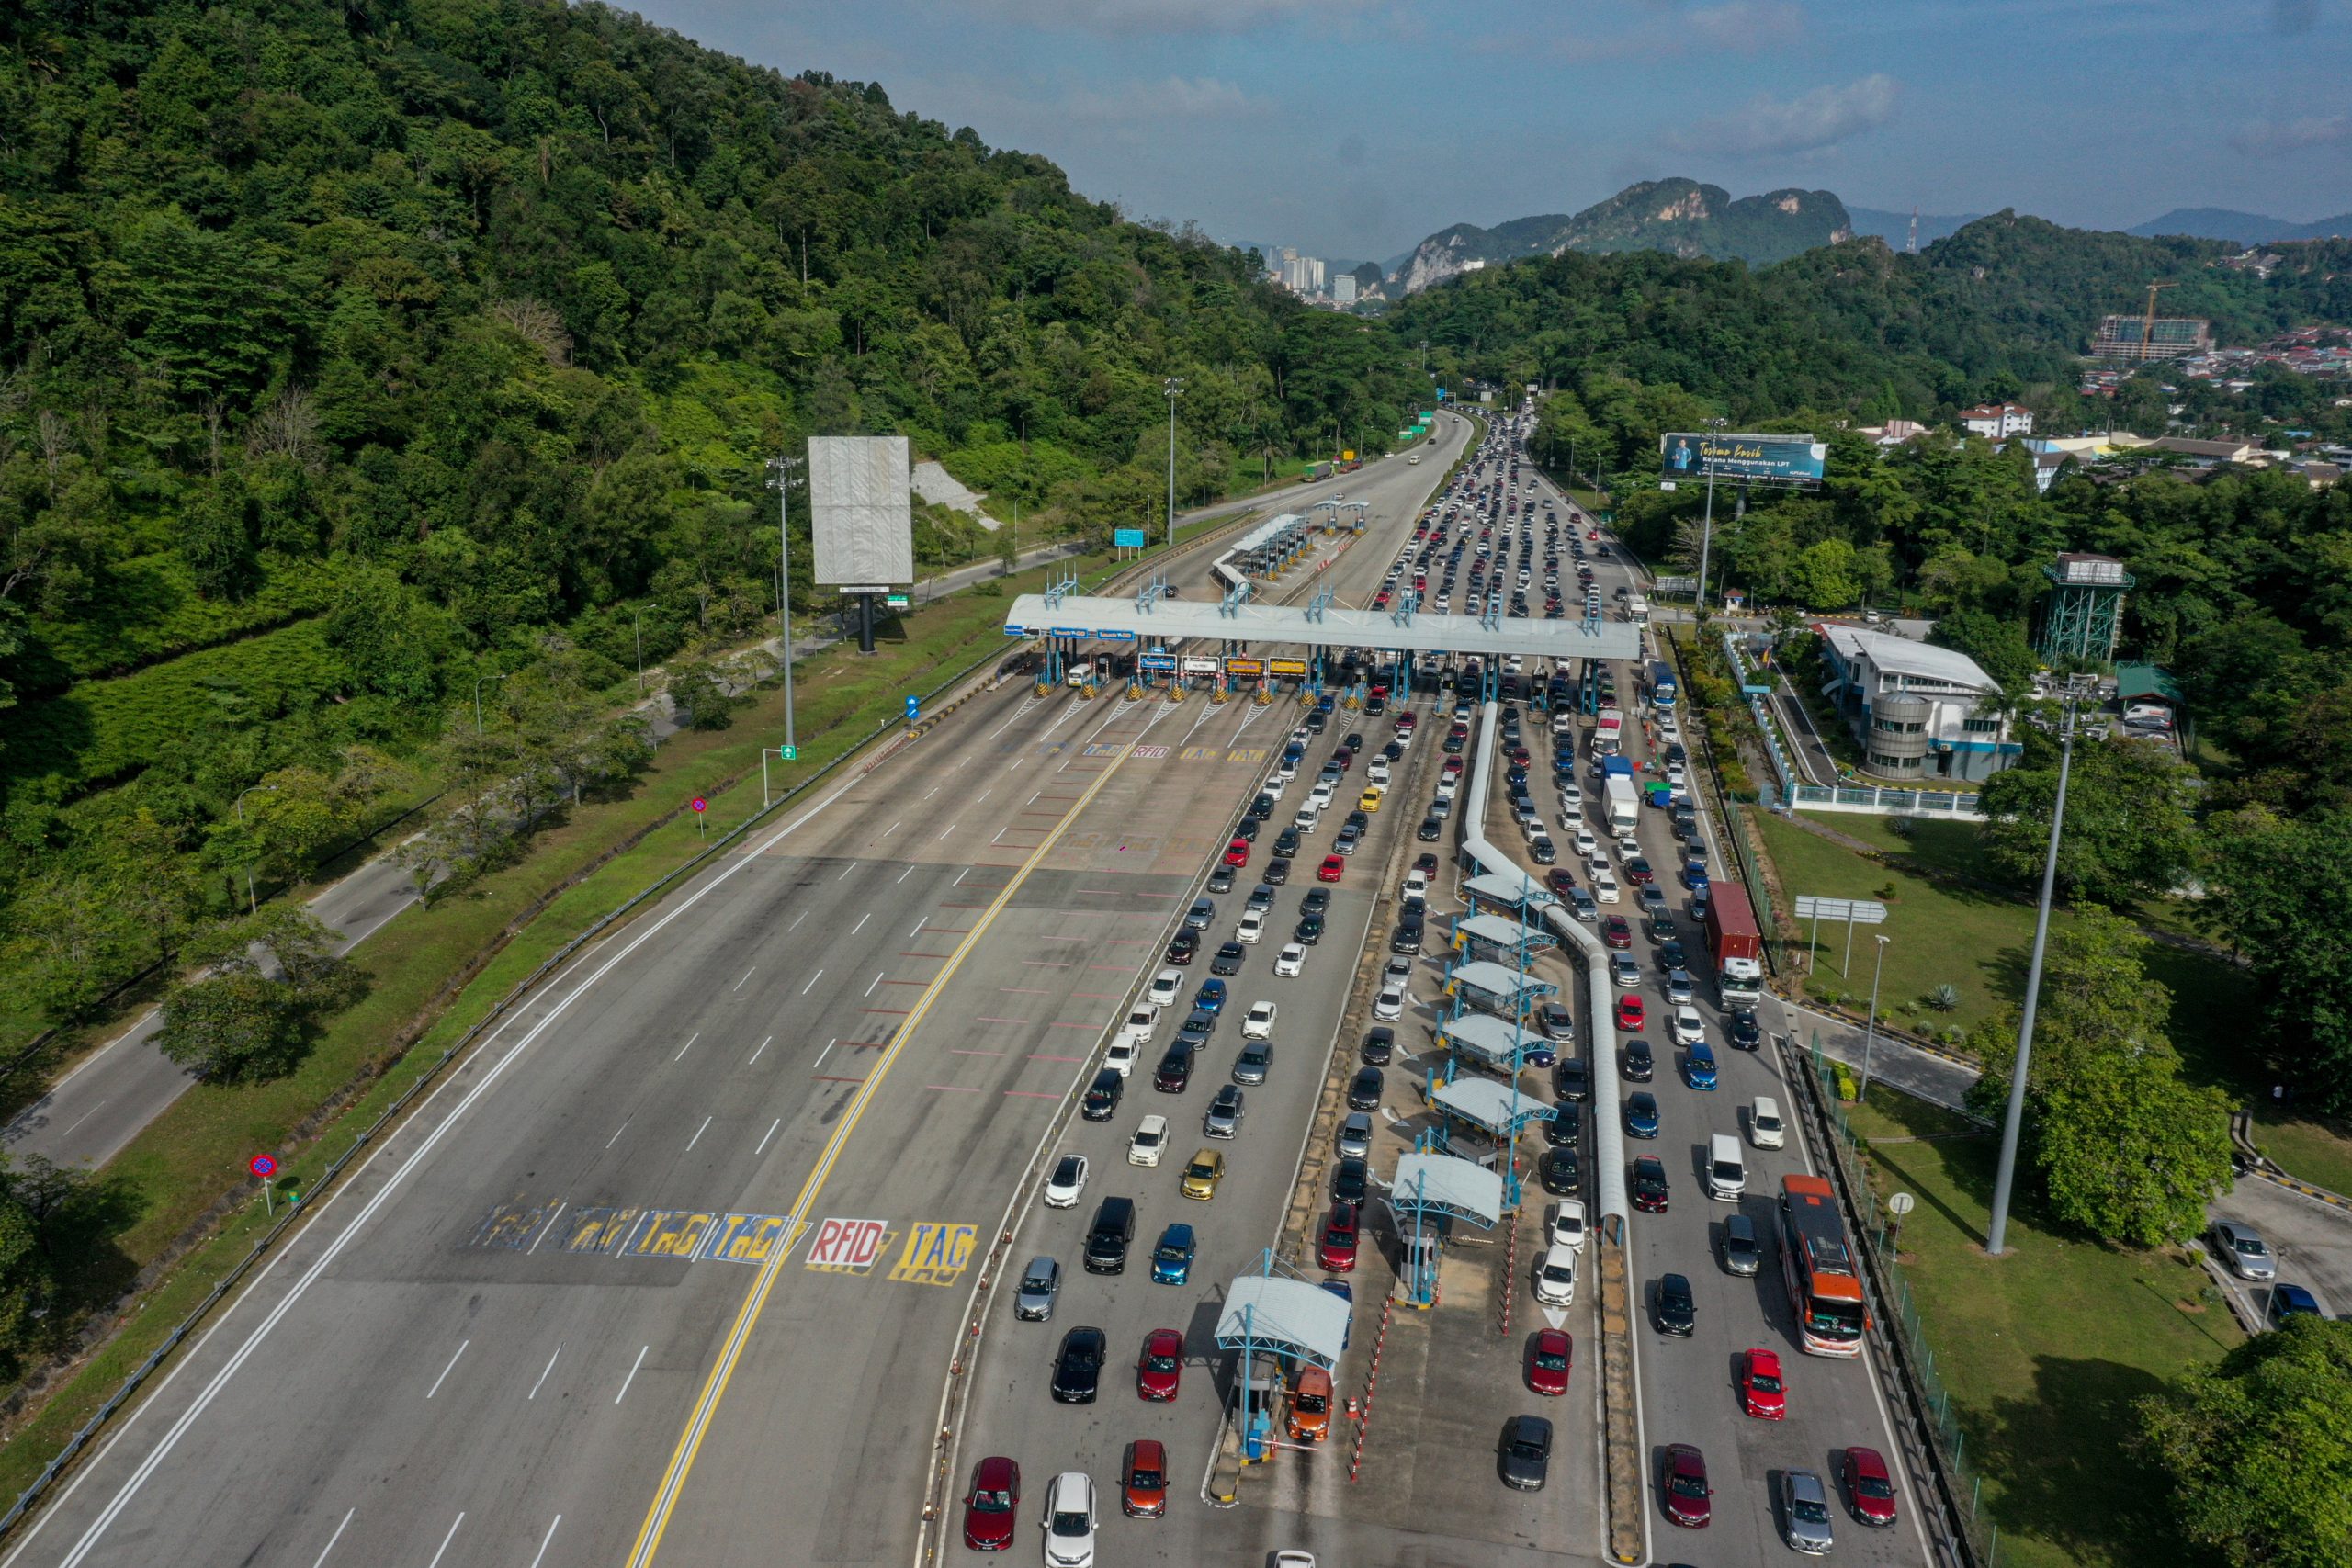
{"points": [[1354, 128]]}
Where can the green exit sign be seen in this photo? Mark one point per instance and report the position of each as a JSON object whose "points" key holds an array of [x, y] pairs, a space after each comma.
{"points": [[789, 753], [895, 600]]}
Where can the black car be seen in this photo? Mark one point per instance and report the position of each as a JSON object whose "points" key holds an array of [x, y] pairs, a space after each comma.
{"points": [[1077, 1370], [1670, 955], [1634, 1059], [1527, 1452], [1317, 901], [1228, 958], [1185, 945], [1287, 843], [1174, 1074], [1350, 1178], [1363, 1090], [1246, 830], [1649, 1184], [1407, 937], [1677, 1309], [1571, 1080], [1309, 930], [1562, 1127], [1263, 806], [1277, 872], [1561, 1175], [1102, 1102], [1379, 1045], [1743, 1030]]}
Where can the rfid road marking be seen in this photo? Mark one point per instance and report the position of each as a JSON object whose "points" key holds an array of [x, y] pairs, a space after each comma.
{"points": [[936, 1252], [847, 1247]]}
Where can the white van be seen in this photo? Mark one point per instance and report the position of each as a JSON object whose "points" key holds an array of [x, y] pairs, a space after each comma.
{"points": [[1726, 1175], [1764, 1128]]}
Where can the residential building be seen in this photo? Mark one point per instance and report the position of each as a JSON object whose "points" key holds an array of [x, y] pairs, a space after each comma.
{"points": [[1997, 421], [1343, 288], [2168, 337], [1922, 714]]}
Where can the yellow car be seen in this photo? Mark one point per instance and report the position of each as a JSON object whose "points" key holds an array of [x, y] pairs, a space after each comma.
{"points": [[1201, 1173], [1370, 801]]}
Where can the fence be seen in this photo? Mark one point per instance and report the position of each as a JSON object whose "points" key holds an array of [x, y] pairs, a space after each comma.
{"points": [[1885, 801], [1972, 1536]]}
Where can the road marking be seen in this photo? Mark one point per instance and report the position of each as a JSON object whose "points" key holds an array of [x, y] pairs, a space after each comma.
{"points": [[902, 876], [86, 1116], [746, 976], [445, 1541], [698, 1034], [951, 1088], [552, 1220], [826, 1052], [543, 1374], [958, 881], [890, 830], [933, 790], [868, 915], [698, 1133], [949, 829], [336, 1536], [682, 1458], [617, 1134], [446, 1370], [845, 871], [544, 1539], [797, 920], [875, 981], [983, 797], [763, 1145], [763, 1045], [916, 927], [812, 983]]}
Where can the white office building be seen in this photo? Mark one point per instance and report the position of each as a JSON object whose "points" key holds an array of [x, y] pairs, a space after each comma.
{"points": [[1915, 707]]}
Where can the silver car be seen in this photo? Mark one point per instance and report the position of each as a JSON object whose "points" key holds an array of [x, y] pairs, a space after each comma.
{"points": [[1805, 1509], [1680, 989], [1624, 971], [1355, 1135], [1223, 1119], [1041, 1281], [2242, 1248]]}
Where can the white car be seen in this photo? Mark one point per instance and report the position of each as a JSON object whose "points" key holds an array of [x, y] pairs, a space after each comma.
{"points": [[1417, 884], [1064, 1188], [1120, 1056], [1688, 1029], [1149, 1142], [1164, 986], [1587, 845], [1259, 1023], [1448, 785], [1252, 926], [1323, 792], [1571, 799], [1390, 1003], [1604, 886], [1377, 774], [1568, 1223], [1290, 962], [1069, 1520], [1556, 1276], [1141, 1022], [1302, 735]]}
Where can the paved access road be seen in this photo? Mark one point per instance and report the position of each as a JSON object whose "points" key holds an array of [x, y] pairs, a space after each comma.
{"points": [[554, 1319]]}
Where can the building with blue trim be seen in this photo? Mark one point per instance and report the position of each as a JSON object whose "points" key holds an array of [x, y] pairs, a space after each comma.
{"points": [[1915, 708]]}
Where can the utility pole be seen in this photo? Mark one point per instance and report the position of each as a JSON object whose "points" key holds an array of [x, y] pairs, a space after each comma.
{"points": [[637, 633], [252, 907], [2006, 1172], [1173, 385], [1870, 1034], [780, 470], [1706, 532], [478, 685]]}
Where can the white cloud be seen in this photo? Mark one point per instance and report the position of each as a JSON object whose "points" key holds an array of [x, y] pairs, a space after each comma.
{"points": [[1766, 127], [1172, 97], [1125, 16], [2271, 138]]}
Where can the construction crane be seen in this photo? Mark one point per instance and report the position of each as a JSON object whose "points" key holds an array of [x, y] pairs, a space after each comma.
{"points": [[2148, 322]]}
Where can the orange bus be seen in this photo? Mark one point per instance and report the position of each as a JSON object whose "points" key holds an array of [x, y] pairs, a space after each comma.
{"points": [[1825, 1290]]}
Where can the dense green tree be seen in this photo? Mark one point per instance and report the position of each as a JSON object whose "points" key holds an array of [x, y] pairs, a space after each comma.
{"points": [[2282, 894], [2129, 833], [249, 1015]]}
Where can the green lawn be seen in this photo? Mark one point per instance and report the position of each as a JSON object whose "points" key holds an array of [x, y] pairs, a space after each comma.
{"points": [[2043, 1350], [2320, 1152]]}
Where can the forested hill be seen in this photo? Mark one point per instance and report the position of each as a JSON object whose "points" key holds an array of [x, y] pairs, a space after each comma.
{"points": [[2005, 306], [404, 330]]}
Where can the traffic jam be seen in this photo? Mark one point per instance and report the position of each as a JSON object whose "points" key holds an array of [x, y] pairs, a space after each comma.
{"points": [[1762, 1423]]}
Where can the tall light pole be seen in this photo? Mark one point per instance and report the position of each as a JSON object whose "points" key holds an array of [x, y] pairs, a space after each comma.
{"points": [[1706, 531], [1173, 386], [637, 633], [2006, 1172], [780, 471], [250, 905], [478, 685], [1870, 1033]]}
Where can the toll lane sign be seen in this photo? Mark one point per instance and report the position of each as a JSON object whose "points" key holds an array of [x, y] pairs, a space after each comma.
{"points": [[846, 1247], [936, 1251]]}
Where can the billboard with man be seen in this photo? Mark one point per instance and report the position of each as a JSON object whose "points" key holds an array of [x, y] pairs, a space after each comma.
{"points": [[1762, 459]]}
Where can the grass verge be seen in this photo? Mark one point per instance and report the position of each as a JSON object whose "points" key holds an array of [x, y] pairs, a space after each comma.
{"points": [[2043, 1350]]}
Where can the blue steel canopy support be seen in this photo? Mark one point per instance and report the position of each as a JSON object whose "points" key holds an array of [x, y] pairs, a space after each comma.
{"points": [[1148, 596], [1319, 602], [1056, 591]]}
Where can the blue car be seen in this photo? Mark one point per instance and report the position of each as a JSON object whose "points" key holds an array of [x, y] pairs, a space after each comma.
{"points": [[1641, 1114], [1699, 1068], [1210, 998], [2291, 1300], [1171, 1260], [1340, 1288], [1694, 876]]}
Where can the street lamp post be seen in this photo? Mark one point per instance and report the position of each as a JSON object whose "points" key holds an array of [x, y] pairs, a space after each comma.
{"points": [[478, 685], [636, 633], [1706, 532], [252, 906], [1172, 386], [2006, 1172], [780, 470], [1870, 1033]]}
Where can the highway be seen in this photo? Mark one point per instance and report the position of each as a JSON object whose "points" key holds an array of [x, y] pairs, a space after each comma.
{"points": [[557, 1318]]}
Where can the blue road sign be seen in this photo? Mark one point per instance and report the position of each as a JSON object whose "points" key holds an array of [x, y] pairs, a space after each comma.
{"points": [[914, 709], [1127, 538]]}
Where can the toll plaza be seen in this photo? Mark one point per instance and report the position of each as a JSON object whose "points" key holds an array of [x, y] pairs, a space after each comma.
{"points": [[1492, 988]]}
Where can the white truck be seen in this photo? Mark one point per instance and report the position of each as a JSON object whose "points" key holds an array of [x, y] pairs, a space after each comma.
{"points": [[1623, 806]]}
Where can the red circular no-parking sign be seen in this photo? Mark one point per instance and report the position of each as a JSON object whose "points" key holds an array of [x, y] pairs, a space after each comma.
{"points": [[261, 1165], [700, 803]]}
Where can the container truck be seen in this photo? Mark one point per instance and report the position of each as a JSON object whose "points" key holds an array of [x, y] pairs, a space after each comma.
{"points": [[1737, 945], [1621, 802]]}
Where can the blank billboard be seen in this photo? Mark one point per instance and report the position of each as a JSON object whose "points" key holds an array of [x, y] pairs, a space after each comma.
{"points": [[859, 516]]}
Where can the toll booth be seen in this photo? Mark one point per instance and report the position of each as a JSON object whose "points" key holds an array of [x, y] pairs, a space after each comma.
{"points": [[1492, 1042], [1279, 1315], [1433, 1189], [1492, 988], [1507, 893], [1499, 939]]}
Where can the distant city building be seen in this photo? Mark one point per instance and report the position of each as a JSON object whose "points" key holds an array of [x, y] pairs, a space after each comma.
{"points": [[2168, 337], [1915, 708], [1343, 288], [1999, 422]]}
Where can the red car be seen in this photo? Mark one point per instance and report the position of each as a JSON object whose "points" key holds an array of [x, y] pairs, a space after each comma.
{"points": [[990, 1505], [1238, 852], [1560, 880], [1617, 932], [1346, 757], [1162, 1365], [1683, 1487], [1406, 720], [1761, 1393], [1144, 1491], [1330, 869], [1629, 1014], [1453, 768], [1868, 1484], [1548, 1360], [1638, 873], [1338, 1249]]}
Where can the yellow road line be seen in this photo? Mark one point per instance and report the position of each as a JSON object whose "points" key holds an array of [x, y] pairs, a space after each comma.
{"points": [[747, 1316]]}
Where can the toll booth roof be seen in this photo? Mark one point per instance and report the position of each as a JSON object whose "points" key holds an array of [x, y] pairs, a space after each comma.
{"points": [[1120, 620], [1496, 980], [1292, 1318], [1272, 529], [1488, 1104], [1504, 887], [1449, 1184], [1485, 1037], [1503, 932]]}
